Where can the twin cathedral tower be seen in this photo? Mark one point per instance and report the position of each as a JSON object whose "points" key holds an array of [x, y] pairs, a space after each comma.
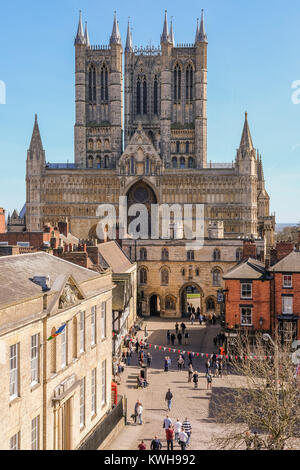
{"points": [[158, 154]]}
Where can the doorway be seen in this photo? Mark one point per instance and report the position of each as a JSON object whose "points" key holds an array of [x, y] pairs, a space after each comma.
{"points": [[154, 304]]}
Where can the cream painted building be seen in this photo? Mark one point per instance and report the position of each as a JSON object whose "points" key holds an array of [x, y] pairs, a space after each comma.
{"points": [[54, 393]]}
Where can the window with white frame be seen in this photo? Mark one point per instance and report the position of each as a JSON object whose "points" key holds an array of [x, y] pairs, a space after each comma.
{"points": [[14, 371], [63, 337], [103, 320], [246, 290], [93, 391], [34, 353], [103, 383], [35, 433], [82, 402], [93, 325], [287, 304], [82, 331], [15, 442], [287, 281], [246, 316]]}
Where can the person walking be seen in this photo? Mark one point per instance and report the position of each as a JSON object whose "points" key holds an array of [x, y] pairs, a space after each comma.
{"points": [[186, 337], [207, 366], [128, 358], [198, 311], [168, 336], [208, 380], [180, 361], [195, 379], [135, 411], [170, 437], [142, 446], [139, 413], [168, 398], [173, 339], [155, 444], [190, 372], [192, 318], [179, 337], [176, 327], [183, 327], [177, 429], [201, 318], [183, 438], [187, 428], [167, 422], [149, 359]]}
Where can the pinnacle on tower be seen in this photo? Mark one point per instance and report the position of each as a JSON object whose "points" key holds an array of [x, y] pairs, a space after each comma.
{"points": [[86, 36], [128, 47], [202, 36], [80, 37], [115, 37], [197, 31], [165, 38], [36, 141], [172, 33], [246, 140]]}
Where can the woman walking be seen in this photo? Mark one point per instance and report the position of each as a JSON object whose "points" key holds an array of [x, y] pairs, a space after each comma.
{"points": [[190, 372]]}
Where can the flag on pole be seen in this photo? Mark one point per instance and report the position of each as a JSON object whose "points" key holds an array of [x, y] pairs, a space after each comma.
{"points": [[60, 329]]}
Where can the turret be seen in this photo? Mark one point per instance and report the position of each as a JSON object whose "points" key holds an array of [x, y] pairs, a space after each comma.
{"points": [[35, 153], [79, 39], [201, 95], [80, 107], [246, 153]]}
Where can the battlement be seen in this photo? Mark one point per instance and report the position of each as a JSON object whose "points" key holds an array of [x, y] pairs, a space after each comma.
{"points": [[100, 47]]}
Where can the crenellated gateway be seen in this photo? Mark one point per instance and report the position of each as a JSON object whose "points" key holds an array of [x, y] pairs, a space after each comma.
{"points": [[159, 152]]}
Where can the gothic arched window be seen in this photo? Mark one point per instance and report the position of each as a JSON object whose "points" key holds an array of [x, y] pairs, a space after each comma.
{"points": [[106, 161], [147, 166], [104, 83], [190, 255], [187, 147], [210, 304], [155, 96], [164, 254], [177, 83], [144, 96], [191, 163], [182, 162], [138, 96], [174, 162], [143, 276], [132, 169], [216, 254], [143, 254], [177, 146], [92, 84], [90, 161], [164, 277], [189, 83], [170, 303], [216, 277]]}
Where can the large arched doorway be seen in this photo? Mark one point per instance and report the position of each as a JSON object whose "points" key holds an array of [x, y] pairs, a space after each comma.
{"points": [[190, 299], [141, 193], [154, 305]]}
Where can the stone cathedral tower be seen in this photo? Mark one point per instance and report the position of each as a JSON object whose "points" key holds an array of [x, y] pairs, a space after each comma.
{"points": [[165, 90], [98, 100]]}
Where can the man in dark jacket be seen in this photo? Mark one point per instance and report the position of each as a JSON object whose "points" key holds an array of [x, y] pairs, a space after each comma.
{"points": [[155, 444], [169, 396]]}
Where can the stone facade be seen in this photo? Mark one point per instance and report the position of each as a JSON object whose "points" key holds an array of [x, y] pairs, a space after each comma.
{"points": [[43, 388]]}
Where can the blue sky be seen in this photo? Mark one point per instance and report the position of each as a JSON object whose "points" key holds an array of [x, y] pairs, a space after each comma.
{"points": [[253, 59]]}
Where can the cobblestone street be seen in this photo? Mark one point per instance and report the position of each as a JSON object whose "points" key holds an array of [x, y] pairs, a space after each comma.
{"points": [[187, 401]]}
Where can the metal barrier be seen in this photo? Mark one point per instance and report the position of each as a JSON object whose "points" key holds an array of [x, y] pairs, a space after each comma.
{"points": [[95, 439]]}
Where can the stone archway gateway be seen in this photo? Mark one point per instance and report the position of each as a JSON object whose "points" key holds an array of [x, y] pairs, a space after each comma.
{"points": [[190, 293], [141, 193]]}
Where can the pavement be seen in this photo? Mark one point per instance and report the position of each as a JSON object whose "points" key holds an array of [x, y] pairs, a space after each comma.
{"points": [[195, 404]]}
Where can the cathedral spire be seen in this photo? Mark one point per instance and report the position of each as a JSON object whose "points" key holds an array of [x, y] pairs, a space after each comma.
{"points": [[115, 37], [80, 37], [172, 33], [165, 34], [246, 140], [36, 141], [86, 35], [128, 47], [202, 36]]}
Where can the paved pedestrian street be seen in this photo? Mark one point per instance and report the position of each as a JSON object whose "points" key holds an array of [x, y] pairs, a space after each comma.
{"points": [[187, 401]]}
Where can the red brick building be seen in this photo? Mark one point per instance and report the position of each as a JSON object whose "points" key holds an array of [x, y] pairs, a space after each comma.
{"points": [[267, 300], [285, 297], [247, 299], [2, 220]]}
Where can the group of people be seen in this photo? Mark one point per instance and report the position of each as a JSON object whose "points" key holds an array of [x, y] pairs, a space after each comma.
{"points": [[178, 431], [180, 333]]}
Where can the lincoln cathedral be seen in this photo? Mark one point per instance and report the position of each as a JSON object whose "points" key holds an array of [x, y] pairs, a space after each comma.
{"points": [[143, 134]]}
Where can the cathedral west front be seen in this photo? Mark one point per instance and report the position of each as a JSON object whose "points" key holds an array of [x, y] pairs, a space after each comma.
{"points": [[143, 134]]}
